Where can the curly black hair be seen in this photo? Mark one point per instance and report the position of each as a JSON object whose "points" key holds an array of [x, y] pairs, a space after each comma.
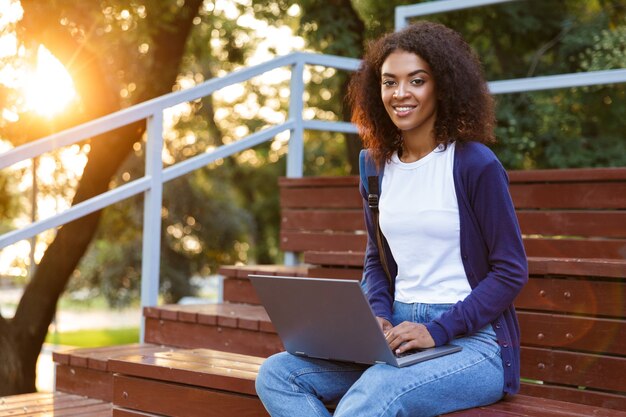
{"points": [[465, 107]]}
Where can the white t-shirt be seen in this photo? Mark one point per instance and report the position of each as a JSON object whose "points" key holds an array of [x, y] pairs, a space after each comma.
{"points": [[419, 216]]}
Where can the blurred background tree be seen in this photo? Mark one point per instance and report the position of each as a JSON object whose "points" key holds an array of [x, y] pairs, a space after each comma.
{"points": [[122, 52]]}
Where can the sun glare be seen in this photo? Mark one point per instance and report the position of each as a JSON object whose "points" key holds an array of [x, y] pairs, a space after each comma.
{"points": [[49, 88]]}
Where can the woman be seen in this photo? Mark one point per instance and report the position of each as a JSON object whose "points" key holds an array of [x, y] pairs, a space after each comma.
{"points": [[452, 243]]}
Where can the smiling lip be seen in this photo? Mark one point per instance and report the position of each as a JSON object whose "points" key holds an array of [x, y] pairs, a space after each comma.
{"points": [[402, 111]]}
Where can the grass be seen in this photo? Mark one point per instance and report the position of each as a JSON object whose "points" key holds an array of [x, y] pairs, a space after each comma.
{"points": [[95, 338]]}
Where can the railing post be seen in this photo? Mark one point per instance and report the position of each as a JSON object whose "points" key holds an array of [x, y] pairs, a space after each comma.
{"points": [[295, 155], [153, 198]]}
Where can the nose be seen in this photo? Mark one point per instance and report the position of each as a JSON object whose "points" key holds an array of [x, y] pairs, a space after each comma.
{"points": [[400, 92]]}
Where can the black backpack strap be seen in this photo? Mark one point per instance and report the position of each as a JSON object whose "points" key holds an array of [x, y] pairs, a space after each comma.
{"points": [[372, 188], [373, 192]]}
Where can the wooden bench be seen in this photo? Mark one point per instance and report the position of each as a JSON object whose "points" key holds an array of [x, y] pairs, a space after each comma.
{"points": [[53, 405], [189, 383], [207, 383], [572, 312]]}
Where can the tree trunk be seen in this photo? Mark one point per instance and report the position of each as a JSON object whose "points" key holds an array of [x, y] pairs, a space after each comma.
{"points": [[22, 337]]}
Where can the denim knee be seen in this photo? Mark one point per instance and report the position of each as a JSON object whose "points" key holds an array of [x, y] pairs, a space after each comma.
{"points": [[267, 376]]}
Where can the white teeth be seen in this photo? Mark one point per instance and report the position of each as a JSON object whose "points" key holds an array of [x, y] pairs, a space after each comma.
{"points": [[401, 109]]}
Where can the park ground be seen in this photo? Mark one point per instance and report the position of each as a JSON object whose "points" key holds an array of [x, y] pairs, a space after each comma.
{"points": [[90, 324]]}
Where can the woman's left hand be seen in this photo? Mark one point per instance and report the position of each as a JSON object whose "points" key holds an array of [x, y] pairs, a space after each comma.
{"points": [[408, 335]]}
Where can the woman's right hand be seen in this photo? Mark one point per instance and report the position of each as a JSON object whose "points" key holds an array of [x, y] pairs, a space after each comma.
{"points": [[385, 325]]}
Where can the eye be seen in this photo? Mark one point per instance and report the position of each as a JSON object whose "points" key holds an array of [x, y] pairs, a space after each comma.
{"points": [[417, 81], [388, 83]]}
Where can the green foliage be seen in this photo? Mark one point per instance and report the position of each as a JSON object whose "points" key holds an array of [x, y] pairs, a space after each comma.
{"points": [[202, 228]]}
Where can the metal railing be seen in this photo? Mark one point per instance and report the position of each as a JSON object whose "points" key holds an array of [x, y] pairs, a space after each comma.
{"points": [[151, 184], [404, 13]]}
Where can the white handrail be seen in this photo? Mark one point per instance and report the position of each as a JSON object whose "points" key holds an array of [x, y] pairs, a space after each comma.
{"points": [[402, 13], [77, 211], [137, 112], [549, 82], [198, 161]]}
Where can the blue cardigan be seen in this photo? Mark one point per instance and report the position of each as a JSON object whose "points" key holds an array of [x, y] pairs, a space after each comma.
{"points": [[492, 254]]}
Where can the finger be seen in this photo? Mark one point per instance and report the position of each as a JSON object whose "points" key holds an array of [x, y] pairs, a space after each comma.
{"points": [[406, 346], [395, 339]]}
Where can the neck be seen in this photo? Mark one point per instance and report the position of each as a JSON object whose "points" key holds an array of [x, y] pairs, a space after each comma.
{"points": [[415, 147]]}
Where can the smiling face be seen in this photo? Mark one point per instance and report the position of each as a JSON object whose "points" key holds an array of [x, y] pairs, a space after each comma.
{"points": [[408, 93]]}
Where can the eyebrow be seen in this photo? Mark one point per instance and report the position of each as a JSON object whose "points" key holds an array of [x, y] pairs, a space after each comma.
{"points": [[386, 74]]}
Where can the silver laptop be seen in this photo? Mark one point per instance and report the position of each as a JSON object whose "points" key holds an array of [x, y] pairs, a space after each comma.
{"points": [[331, 319]]}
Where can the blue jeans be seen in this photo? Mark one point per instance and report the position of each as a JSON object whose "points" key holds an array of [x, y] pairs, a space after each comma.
{"points": [[290, 385]]}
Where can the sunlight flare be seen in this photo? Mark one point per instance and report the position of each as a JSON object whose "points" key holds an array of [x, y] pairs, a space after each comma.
{"points": [[49, 88]]}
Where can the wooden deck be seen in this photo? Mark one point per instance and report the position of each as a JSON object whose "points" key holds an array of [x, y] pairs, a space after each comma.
{"points": [[53, 405]]}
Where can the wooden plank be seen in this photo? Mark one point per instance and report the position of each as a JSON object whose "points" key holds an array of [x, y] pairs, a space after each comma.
{"points": [[54, 405], [177, 400], [535, 247], [527, 406], [33, 397], [84, 381], [336, 273], [581, 195], [215, 370], [592, 267], [604, 223], [597, 372], [263, 342], [515, 176], [346, 220], [595, 335], [338, 258], [223, 314], [124, 412], [575, 248], [588, 297], [96, 358], [575, 395], [300, 242], [582, 267], [244, 270], [87, 410], [568, 175], [18, 403], [612, 268], [324, 197], [319, 181], [240, 290]]}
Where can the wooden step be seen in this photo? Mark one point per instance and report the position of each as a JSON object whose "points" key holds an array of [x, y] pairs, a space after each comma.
{"points": [[527, 406], [237, 328], [237, 288], [86, 372], [53, 405], [189, 383], [203, 382]]}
